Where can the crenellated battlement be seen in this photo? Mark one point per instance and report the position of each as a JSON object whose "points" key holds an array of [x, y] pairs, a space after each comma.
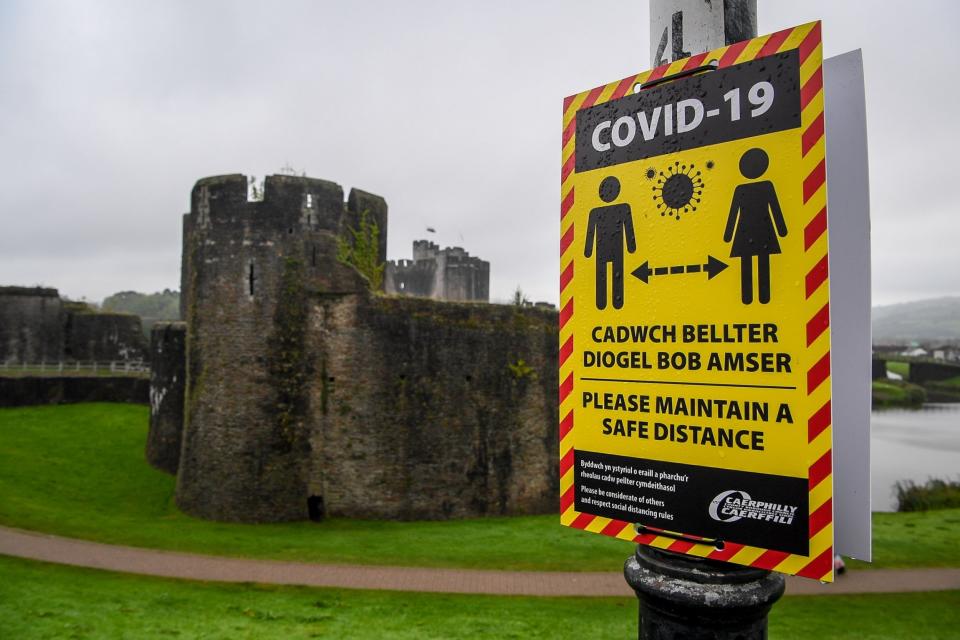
{"points": [[443, 274], [288, 202], [230, 238]]}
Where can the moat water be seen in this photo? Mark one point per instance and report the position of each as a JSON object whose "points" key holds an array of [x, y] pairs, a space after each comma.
{"points": [[913, 444]]}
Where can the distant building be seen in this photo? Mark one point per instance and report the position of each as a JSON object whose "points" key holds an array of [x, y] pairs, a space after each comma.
{"points": [[442, 274], [947, 352]]}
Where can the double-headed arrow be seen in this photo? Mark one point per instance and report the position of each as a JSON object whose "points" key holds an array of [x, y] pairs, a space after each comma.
{"points": [[712, 267]]}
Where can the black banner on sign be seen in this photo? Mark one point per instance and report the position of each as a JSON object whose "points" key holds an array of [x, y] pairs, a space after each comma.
{"points": [[754, 509], [745, 100]]}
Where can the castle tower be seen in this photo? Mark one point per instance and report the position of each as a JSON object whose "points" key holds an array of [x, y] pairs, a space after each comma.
{"points": [[249, 268], [442, 274]]}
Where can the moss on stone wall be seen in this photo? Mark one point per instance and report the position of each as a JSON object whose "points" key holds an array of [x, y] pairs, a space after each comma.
{"points": [[287, 362], [520, 369], [359, 248], [194, 368]]}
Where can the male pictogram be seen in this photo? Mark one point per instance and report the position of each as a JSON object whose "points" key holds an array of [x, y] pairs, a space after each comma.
{"points": [[608, 227], [753, 225]]}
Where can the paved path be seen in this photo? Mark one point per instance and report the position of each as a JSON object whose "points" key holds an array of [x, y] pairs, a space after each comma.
{"points": [[169, 564]]}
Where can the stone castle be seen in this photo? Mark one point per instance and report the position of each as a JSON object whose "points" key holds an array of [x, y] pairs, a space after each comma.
{"points": [[38, 326], [293, 391], [441, 274]]}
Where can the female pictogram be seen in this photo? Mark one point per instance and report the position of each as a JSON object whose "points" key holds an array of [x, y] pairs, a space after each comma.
{"points": [[753, 225]]}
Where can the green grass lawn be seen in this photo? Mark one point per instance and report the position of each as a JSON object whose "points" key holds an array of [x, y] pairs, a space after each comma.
{"points": [[900, 368], [916, 539], [40, 600], [79, 471]]}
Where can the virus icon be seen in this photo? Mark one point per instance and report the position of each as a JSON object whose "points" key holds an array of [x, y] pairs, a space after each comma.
{"points": [[710, 164], [650, 173], [678, 190]]}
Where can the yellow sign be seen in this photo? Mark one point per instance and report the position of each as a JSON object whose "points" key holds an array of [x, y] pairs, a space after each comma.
{"points": [[694, 343]]}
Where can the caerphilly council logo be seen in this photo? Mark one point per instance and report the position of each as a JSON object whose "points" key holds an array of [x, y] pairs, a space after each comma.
{"points": [[734, 504]]}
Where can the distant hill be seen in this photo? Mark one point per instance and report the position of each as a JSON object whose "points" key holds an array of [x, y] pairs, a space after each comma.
{"points": [[924, 321], [151, 307]]}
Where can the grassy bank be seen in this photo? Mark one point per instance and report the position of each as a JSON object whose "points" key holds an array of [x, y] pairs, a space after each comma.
{"points": [[79, 471], [44, 601], [896, 393], [935, 493], [944, 390]]}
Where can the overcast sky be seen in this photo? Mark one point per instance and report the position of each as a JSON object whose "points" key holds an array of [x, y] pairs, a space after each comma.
{"points": [[110, 111]]}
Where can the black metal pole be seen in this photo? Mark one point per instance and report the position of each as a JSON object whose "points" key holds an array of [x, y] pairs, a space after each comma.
{"points": [[688, 598], [685, 597]]}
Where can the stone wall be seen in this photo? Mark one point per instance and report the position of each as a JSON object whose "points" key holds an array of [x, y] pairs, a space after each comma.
{"points": [[167, 382], [923, 372], [879, 369], [433, 410], [104, 337], [36, 326], [31, 325]]}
